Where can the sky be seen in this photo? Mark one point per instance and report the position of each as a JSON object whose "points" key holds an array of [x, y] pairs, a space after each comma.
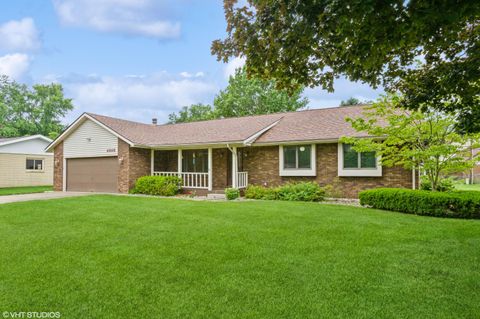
{"points": [[133, 59]]}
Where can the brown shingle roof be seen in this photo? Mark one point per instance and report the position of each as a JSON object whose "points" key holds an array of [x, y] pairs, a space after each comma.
{"points": [[318, 124]]}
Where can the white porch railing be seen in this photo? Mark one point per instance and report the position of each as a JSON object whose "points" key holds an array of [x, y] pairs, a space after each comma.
{"points": [[189, 179], [242, 179]]}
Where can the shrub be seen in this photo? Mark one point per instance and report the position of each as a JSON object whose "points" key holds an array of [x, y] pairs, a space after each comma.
{"points": [[232, 193], [304, 191], [445, 185], [449, 204], [260, 192], [157, 185]]}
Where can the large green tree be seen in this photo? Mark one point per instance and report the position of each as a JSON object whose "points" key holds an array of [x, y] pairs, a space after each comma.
{"points": [[428, 50], [244, 96], [29, 111], [426, 140]]}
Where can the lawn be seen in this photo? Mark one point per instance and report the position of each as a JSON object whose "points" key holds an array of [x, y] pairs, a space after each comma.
{"points": [[131, 257], [466, 187], [24, 190]]}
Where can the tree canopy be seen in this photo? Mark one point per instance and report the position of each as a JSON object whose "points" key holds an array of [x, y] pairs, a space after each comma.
{"points": [[353, 101], [429, 51], [414, 139], [30, 111], [243, 96]]}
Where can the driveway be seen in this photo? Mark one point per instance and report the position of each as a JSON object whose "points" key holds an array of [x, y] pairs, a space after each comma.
{"points": [[39, 196]]}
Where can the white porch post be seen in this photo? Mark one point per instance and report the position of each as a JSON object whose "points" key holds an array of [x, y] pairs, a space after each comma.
{"points": [[152, 161], [210, 169], [234, 167], [179, 163]]}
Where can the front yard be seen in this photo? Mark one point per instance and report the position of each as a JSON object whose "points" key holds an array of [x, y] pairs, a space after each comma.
{"points": [[129, 257], [24, 190]]}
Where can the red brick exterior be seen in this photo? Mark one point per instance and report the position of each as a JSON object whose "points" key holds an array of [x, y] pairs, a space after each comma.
{"points": [[58, 167], [133, 163], [262, 165]]}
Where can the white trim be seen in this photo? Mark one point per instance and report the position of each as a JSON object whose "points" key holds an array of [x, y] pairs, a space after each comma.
{"points": [[30, 154], [250, 140], [210, 169], [234, 167], [312, 171], [76, 123], [360, 172], [64, 177], [26, 138]]}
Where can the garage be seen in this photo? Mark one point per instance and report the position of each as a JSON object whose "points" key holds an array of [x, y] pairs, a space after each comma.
{"points": [[99, 174]]}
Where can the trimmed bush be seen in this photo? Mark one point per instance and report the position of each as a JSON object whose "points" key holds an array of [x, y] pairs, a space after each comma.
{"points": [[449, 204], [304, 191], [232, 193], [157, 185], [445, 185]]}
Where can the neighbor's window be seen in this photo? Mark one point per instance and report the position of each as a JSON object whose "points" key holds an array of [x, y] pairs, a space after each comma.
{"points": [[34, 164], [353, 159], [297, 157]]}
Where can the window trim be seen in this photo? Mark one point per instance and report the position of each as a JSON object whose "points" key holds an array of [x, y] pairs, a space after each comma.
{"points": [[357, 172], [312, 171], [34, 169]]}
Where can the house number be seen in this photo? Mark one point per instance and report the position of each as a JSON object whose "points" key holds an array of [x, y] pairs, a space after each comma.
{"points": [[111, 150]]}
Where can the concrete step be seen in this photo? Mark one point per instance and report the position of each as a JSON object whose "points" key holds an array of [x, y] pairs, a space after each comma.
{"points": [[216, 196]]}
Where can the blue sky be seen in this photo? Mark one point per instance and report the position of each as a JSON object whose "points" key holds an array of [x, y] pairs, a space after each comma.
{"points": [[134, 59]]}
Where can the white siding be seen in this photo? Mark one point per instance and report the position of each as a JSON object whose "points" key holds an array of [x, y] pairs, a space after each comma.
{"points": [[35, 146], [90, 140], [13, 171]]}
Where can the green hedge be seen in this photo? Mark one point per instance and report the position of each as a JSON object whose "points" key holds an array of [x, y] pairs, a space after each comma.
{"points": [[450, 204], [232, 193], [157, 185], [304, 191]]}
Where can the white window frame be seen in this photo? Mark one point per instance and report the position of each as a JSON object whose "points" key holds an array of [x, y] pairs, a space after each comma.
{"points": [[35, 159], [312, 171], [357, 172]]}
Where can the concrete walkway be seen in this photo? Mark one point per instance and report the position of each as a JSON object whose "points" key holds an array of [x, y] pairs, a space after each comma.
{"points": [[39, 196]]}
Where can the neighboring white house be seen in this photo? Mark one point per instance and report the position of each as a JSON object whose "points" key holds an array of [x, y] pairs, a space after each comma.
{"points": [[24, 162]]}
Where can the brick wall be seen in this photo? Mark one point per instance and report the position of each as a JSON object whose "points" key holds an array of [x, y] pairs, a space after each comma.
{"points": [[133, 163], [220, 168], [262, 165], [58, 167]]}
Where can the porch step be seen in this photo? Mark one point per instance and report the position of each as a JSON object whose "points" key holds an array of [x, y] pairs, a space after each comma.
{"points": [[216, 196]]}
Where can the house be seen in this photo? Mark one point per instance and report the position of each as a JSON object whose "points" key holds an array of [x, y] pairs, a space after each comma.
{"points": [[105, 154], [24, 162]]}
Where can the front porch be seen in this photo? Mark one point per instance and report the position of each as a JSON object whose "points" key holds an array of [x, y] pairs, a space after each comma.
{"points": [[202, 169]]}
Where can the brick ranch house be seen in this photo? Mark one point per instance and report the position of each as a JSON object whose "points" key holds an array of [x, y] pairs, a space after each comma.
{"points": [[104, 154]]}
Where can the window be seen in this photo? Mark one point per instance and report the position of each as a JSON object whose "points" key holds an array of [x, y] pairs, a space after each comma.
{"points": [[297, 160], [355, 160], [352, 163], [296, 157], [195, 161], [34, 164]]}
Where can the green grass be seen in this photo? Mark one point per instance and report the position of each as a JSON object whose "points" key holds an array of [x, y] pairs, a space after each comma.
{"points": [[465, 187], [131, 257], [24, 190]]}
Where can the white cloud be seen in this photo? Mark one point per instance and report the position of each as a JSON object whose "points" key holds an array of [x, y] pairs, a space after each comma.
{"points": [[19, 35], [139, 97], [233, 65], [14, 65], [130, 17]]}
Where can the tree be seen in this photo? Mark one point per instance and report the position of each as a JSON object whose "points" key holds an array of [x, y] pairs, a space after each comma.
{"points": [[414, 139], [251, 96], [243, 96], [353, 101], [30, 111], [194, 112], [429, 51]]}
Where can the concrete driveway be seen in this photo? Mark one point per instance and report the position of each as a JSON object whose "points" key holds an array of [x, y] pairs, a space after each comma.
{"points": [[39, 196]]}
